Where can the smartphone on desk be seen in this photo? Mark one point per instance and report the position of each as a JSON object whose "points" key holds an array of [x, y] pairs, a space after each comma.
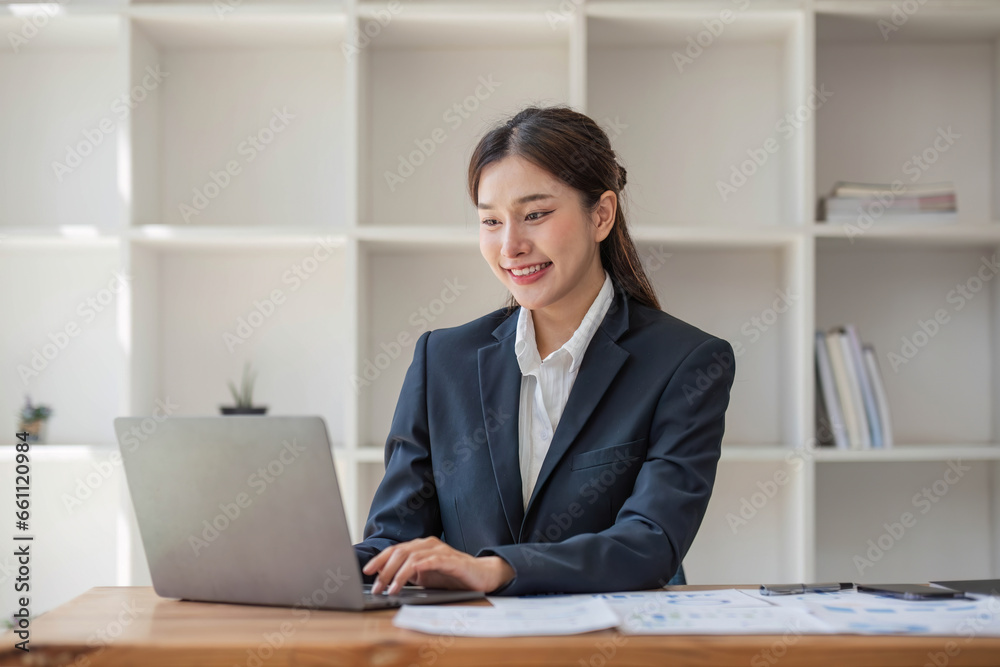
{"points": [[911, 591]]}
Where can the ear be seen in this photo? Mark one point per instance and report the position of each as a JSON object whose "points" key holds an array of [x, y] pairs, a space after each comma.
{"points": [[603, 216]]}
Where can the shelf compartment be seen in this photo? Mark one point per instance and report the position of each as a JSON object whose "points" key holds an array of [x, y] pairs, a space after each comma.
{"points": [[60, 121], [940, 376], [63, 347], [487, 66], [201, 312], [925, 92], [268, 147], [754, 503], [406, 296], [864, 536], [76, 513], [733, 294], [731, 98]]}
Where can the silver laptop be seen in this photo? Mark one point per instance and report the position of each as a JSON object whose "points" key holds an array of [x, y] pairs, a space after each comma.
{"points": [[247, 509]]}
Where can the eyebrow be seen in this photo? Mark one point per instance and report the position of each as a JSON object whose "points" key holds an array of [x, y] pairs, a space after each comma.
{"points": [[523, 200]]}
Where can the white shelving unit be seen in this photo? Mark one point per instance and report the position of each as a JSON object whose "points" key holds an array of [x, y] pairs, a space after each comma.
{"points": [[228, 160]]}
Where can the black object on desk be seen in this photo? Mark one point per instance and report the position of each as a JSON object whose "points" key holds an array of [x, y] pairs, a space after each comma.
{"points": [[911, 591], [795, 589], [975, 586]]}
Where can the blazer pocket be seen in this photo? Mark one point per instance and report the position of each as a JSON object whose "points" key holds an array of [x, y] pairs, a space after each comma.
{"points": [[623, 452]]}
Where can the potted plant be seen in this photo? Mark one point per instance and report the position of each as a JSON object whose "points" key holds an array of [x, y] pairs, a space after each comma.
{"points": [[33, 419], [243, 397]]}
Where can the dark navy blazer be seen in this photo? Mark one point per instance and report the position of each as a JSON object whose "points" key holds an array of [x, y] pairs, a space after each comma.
{"points": [[629, 471]]}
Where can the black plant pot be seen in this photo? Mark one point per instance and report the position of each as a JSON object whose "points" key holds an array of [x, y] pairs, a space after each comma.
{"points": [[229, 410]]}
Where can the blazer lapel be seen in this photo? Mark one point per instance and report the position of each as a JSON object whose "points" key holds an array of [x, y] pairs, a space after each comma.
{"points": [[500, 390], [601, 363]]}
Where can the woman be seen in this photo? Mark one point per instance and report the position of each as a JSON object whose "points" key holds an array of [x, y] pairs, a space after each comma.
{"points": [[567, 442]]}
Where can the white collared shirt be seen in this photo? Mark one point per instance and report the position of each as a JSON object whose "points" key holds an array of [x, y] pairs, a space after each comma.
{"points": [[545, 385]]}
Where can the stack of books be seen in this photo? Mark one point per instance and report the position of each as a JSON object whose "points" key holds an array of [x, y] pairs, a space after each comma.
{"points": [[871, 203], [852, 410]]}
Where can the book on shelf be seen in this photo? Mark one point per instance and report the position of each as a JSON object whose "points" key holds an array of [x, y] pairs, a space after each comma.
{"points": [[874, 203], [864, 382], [854, 408], [830, 414], [878, 388]]}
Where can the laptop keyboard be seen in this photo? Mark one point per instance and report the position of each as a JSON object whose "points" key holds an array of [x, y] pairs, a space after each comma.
{"points": [[406, 592]]}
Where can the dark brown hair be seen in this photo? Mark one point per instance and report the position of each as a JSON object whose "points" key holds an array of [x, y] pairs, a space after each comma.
{"points": [[573, 148]]}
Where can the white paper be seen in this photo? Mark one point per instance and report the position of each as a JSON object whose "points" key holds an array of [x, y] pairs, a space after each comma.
{"points": [[872, 614], [481, 621], [650, 601], [689, 620], [660, 600], [802, 600]]}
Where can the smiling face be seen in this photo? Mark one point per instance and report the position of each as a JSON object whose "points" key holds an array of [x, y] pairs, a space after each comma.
{"points": [[538, 239]]}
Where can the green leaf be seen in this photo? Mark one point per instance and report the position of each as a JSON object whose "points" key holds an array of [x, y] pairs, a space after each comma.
{"points": [[232, 390]]}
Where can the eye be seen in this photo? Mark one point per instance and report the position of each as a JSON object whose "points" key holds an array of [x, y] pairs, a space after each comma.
{"points": [[535, 215], [491, 222]]}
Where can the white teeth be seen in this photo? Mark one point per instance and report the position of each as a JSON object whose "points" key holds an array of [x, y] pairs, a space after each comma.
{"points": [[531, 269]]}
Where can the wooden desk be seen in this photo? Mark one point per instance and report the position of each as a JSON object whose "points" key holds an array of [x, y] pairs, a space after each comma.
{"points": [[135, 628]]}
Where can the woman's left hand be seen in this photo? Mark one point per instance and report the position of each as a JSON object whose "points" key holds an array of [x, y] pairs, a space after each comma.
{"points": [[431, 563]]}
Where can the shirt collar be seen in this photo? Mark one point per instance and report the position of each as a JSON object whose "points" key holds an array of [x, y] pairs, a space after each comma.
{"points": [[526, 348]]}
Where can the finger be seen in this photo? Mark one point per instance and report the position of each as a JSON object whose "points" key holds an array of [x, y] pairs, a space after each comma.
{"points": [[408, 572], [442, 572], [373, 565], [403, 575], [389, 568], [416, 567]]}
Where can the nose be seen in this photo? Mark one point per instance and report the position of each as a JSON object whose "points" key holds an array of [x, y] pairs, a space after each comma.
{"points": [[515, 242]]}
